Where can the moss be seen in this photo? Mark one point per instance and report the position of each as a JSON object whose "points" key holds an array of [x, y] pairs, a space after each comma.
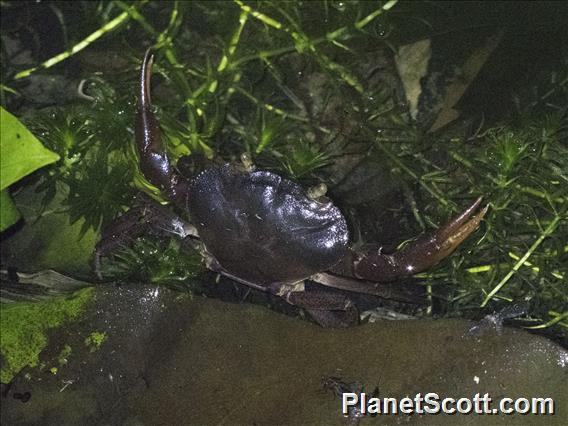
{"points": [[24, 328], [95, 340]]}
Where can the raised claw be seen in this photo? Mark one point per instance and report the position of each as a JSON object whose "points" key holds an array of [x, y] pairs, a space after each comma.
{"points": [[418, 255], [154, 162]]}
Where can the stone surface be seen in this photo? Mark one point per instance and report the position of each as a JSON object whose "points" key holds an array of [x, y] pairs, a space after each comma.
{"points": [[172, 359]]}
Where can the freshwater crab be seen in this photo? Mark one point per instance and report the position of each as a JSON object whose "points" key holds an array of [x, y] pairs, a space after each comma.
{"points": [[269, 233]]}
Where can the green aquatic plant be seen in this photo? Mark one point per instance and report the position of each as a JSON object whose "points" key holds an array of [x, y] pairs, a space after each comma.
{"points": [[94, 169], [304, 158], [523, 251], [99, 192], [159, 261]]}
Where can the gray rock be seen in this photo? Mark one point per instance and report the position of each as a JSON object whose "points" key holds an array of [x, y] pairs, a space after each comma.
{"points": [[172, 359]]}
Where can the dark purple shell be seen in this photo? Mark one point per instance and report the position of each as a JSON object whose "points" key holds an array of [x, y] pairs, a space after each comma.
{"points": [[263, 228]]}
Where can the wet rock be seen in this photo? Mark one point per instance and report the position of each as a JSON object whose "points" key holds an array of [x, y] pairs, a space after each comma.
{"points": [[168, 358]]}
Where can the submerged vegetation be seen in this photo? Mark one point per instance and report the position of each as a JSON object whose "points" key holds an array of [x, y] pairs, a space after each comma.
{"points": [[310, 90]]}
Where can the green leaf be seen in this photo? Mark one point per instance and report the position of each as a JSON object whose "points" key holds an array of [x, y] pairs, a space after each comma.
{"points": [[9, 214], [20, 154], [20, 151]]}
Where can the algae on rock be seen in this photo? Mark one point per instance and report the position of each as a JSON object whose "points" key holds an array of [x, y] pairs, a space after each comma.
{"points": [[24, 328]]}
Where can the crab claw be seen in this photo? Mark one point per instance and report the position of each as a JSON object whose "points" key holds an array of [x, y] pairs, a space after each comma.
{"points": [[418, 255], [154, 162]]}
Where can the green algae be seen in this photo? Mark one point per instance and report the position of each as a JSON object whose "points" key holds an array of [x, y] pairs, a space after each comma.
{"points": [[95, 340], [24, 328]]}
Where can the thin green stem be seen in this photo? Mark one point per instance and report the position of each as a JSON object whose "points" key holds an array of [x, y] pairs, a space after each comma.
{"points": [[227, 57], [271, 108], [108, 27], [548, 231], [136, 16], [556, 319], [366, 20], [303, 43]]}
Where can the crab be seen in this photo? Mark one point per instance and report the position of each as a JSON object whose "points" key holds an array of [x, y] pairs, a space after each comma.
{"points": [[269, 233]]}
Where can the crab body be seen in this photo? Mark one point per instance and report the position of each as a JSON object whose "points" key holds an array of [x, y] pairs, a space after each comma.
{"points": [[263, 228]]}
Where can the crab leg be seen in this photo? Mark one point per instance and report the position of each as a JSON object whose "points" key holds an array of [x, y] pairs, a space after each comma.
{"points": [[145, 216], [417, 256], [395, 291], [154, 161]]}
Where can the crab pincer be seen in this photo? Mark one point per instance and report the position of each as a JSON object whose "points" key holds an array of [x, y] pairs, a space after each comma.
{"points": [[378, 265]]}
